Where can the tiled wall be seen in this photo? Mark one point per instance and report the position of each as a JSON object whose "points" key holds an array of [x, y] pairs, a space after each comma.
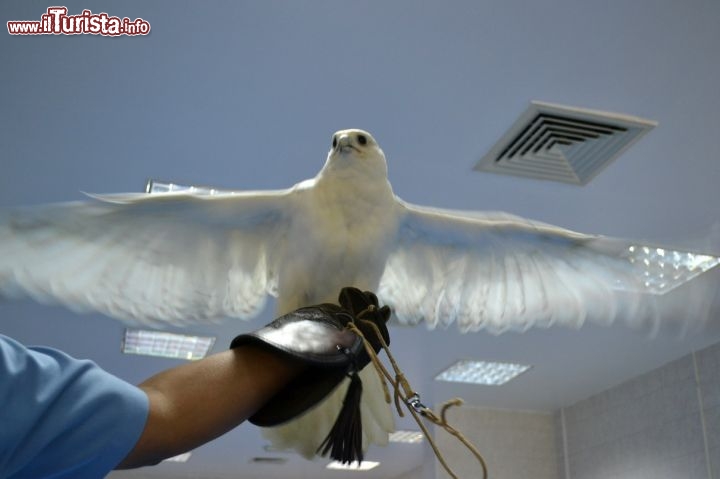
{"points": [[515, 444], [662, 425], [708, 361]]}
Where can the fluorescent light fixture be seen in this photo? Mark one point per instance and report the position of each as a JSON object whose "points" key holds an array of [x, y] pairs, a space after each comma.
{"points": [[354, 466], [166, 345], [157, 187], [271, 448], [407, 437], [663, 269], [481, 372], [179, 458]]}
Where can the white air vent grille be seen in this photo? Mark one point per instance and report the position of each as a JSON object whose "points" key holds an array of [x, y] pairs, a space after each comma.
{"points": [[561, 143]]}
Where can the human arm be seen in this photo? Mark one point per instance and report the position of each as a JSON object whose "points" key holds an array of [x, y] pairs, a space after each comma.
{"points": [[67, 418], [196, 402]]}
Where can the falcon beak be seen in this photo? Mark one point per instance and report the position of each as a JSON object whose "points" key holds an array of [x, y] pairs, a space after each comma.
{"points": [[345, 143]]}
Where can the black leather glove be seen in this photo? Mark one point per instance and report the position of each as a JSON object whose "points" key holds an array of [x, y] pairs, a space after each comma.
{"points": [[317, 336]]}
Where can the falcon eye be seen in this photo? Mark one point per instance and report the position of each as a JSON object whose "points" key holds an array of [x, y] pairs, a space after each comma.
{"points": [[362, 139], [334, 141]]}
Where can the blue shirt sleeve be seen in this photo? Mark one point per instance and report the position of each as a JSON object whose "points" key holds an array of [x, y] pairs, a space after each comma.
{"points": [[62, 417]]}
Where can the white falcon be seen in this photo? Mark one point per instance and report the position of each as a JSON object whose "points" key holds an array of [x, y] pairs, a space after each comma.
{"points": [[187, 256]]}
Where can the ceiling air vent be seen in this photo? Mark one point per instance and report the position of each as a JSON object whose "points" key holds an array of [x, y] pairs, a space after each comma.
{"points": [[560, 143]]}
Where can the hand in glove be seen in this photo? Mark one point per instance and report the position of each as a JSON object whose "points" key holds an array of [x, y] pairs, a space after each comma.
{"points": [[318, 337]]}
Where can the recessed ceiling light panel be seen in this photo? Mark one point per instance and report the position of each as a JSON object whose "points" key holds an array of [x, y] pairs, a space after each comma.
{"points": [[354, 466], [407, 437], [166, 345], [481, 372], [179, 458], [157, 187], [663, 269]]}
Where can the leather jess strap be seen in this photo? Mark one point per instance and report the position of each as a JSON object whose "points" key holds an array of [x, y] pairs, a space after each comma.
{"points": [[403, 392]]}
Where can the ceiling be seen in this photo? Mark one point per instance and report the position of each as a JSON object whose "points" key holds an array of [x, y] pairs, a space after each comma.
{"points": [[246, 95]]}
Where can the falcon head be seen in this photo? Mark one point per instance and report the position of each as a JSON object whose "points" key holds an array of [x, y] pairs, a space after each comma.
{"points": [[356, 151], [358, 141]]}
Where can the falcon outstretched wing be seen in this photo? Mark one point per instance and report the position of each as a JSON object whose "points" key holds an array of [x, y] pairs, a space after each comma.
{"points": [[170, 257], [500, 272]]}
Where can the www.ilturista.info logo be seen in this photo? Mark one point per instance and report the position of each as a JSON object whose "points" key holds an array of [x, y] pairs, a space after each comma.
{"points": [[57, 22]]}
